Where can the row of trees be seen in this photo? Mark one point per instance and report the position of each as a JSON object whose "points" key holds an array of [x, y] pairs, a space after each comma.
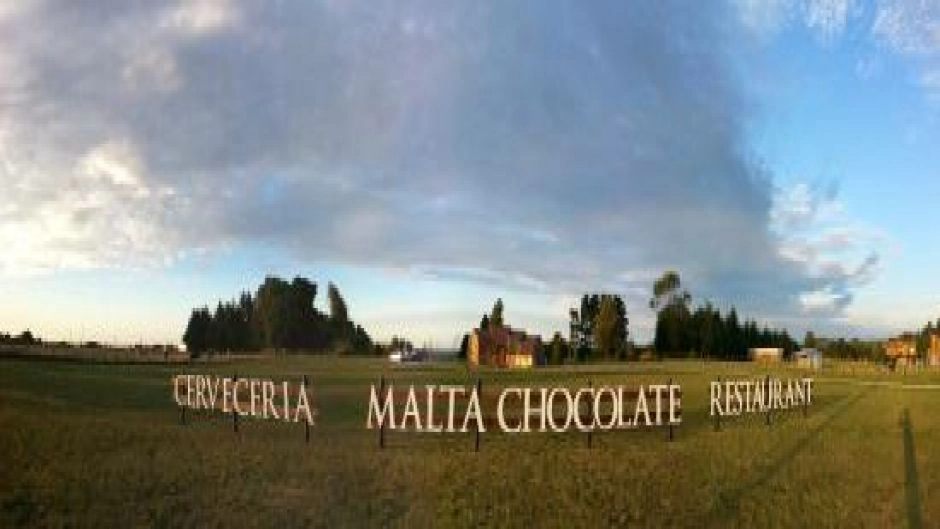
{"points": [[280, 316], [598, 331], [493, 320], [923, 337], [705, 332], [854, 349], [24, 338]]}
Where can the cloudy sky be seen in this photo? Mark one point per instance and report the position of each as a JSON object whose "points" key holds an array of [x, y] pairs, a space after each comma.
{"points": [[431, 156]]}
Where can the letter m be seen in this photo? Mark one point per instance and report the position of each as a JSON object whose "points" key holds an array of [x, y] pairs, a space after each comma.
{"points": [[387, 409]]}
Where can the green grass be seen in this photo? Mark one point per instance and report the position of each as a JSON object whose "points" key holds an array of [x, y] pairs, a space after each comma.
{"points": [[96, 445]]}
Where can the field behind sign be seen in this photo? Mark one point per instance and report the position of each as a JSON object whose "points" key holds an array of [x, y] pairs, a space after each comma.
{"points": [[102, 445]]}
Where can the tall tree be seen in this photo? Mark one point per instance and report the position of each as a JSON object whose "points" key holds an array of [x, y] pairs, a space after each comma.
{"points": [[281, 316], [496, 317], [305, 323], [809, 340], [338, 311], [590, 306], [608, 338], [196, 337], [558, 349], [667, 291], [735, 343], [672, 335]]}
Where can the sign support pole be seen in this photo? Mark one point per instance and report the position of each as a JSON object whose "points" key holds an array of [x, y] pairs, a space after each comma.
{"points": [[182, 408], [671, 434], [476, 442], [805, 405], [767, 395], [234, 414], [306, 424], [591, 430], [382, 426], [718, 415]]}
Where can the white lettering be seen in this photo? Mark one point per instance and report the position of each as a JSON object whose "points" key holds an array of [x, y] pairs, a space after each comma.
{"points": [[716, 399], [500, 416], [388, 409]]}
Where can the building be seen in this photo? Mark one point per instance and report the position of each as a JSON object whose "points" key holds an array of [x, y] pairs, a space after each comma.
{"points": [[808, 358], [933, 353], [408, 355], [504, 347], [766, 354], [902, 351]]}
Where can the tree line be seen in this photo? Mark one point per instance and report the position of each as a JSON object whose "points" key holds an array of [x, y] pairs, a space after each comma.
{"points": [[705, 332], [24, 338], [599, 331], [853, 349], [280, 316], [922, 341]]}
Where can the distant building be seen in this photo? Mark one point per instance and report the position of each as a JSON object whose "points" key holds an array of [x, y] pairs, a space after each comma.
{"points": [[408, 355], [808, 358], [933, 353], [504, 347], [766, 354], [902, 351]]}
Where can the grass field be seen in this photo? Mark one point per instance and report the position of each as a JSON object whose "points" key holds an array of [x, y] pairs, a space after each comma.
{"points": [[99, 445]]}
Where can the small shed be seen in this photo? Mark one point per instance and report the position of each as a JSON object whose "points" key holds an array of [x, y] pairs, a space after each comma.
{"points": [[766, 354], [808, 358]]}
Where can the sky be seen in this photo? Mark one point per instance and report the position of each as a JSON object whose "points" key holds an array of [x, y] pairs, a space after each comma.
{"points": [[429, 157]]}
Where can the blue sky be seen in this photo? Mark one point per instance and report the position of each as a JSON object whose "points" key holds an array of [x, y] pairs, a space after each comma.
{"points": [[430, 157]]}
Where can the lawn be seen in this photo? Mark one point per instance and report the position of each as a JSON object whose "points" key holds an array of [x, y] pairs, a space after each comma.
{"points": [[101, 445]]}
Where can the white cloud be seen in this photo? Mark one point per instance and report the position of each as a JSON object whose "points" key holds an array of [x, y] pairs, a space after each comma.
{"points": [[912, 30], [765, 16], [424, 137], [909, 26], [117, 163], [199, 17], [839, 253], [823, 300], [827, 18]]}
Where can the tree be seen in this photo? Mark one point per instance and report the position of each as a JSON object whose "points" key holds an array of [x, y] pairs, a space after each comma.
{"points": [[735, 344], [672, 334], [496, 317], [26, 338], [590, 306], [666, 291], [583, 326], [608, 340], [280, 316], [338, 311], [464, 344], [558, 350], [196, 337], [343, 334], [306, 327], [247, 341], [923, 340], [272, 312], [809, 341], [485, 322]]}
